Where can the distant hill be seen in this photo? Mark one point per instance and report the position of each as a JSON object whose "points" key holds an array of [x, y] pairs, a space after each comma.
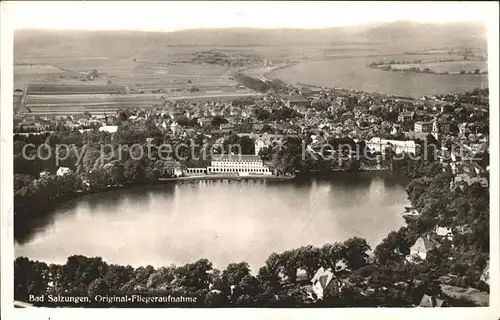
{"points": [[438, 35], [402, 32]]}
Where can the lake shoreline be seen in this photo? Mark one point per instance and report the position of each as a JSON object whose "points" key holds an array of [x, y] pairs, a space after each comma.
{"points": [[179, 204], [383, 83]]}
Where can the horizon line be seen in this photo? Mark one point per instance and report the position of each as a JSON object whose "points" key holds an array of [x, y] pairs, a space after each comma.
{"points": [[374, 23]]}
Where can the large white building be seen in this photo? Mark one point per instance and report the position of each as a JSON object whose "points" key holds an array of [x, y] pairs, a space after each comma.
{"points": [[379, 145], [238, 165]]}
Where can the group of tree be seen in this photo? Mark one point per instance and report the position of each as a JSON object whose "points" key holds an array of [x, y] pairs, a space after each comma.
{"points": [[465, 211], [234, 286]]}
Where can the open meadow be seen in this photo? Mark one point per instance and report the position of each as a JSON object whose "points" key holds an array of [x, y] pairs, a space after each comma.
{"points": [[448, 66], [354, 73]]}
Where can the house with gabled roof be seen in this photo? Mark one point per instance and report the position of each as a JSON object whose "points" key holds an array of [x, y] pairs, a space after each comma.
{"points": [[421, 247], [431, 302], [485, 277]]}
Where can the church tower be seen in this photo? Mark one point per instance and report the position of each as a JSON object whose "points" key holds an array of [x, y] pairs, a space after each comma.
{"points": [[435, 129]]}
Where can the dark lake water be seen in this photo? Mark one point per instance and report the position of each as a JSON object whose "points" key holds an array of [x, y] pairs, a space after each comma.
{"points": [[223, 221], [354, 74]]}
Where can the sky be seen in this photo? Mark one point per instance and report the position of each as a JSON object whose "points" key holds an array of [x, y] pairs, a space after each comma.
{"points": [[173, 15]]}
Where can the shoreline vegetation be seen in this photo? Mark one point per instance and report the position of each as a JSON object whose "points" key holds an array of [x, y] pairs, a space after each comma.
{"points": [[383, 278], [390, 66], [367, 278]]}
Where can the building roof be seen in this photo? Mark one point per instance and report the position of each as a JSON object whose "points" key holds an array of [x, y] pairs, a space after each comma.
{"points": [[407, 114], [323, 276], [296, 99], [416, 135], [485, 277], [236, 157], [431, 302], [110, 129], [443, 231], [424, 122]]}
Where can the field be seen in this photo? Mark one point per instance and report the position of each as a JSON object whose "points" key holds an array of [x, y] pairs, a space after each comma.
{"points": [[102, 103], [58, 85], [450, 67]]}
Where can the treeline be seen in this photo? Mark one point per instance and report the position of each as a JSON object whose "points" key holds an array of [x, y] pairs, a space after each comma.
{"points": [[283, 113], [465, 211], [92, 168], [252, 83], [277, 284]]}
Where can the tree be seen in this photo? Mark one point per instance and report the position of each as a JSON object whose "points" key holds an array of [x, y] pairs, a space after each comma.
{"points": [[309, 259], [216, 299], [98, 287], [290, 262], [250, 285], [235, 272], [355, 252]]}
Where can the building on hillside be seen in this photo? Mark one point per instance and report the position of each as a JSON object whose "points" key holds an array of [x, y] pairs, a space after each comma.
{"points": [[444, 232], [485, 277], [396, 129], [464, 179], [171, 169], [431, 302], [423, 126], [242, 165], [195, 171], [108, 129], [267, 140], [325, 283], [421, 247], [406, 116], [227, 128], [376, 144], [62, 171], [298, 102], [412, 135]]}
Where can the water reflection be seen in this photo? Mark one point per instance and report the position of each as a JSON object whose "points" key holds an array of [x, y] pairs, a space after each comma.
{"points": [[223, 221]]}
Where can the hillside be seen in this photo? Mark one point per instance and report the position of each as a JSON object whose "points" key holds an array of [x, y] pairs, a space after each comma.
{"points": [[455, 34], [429, 35]]}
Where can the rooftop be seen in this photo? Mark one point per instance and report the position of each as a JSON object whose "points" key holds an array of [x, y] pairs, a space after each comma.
{"points": [[236, 157]]}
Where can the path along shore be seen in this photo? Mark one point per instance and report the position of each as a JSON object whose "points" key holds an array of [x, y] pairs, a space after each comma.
{"points": [[226, 177]]}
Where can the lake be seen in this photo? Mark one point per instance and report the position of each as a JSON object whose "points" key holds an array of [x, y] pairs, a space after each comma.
{"points": [[353, 73], [223, 221]]}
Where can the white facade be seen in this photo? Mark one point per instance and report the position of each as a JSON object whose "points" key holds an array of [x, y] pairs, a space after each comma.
{"points": [[239, 165], [109, 129], [325, 280], [379, 145], [420, 248], [63, 171]]}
